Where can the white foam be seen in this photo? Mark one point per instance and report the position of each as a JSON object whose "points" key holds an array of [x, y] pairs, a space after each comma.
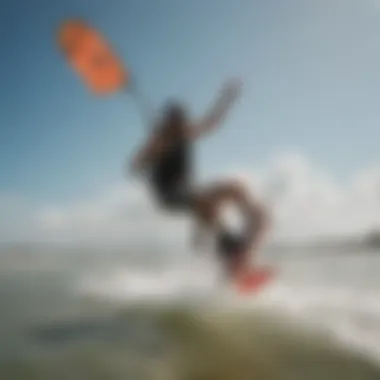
{"points": [[154, 285], [344, 301], [338, 294]]}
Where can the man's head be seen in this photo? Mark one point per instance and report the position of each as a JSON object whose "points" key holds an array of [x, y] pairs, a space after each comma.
{"points": [[174, 118]]}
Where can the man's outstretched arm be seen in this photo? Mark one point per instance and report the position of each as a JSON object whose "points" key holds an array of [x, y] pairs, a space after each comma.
{"points": [[229, 93]]}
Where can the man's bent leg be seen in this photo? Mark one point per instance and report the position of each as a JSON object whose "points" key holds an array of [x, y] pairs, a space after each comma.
{"points": [[210, 201]]}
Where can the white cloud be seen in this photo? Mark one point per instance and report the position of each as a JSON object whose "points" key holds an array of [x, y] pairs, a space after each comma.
{"points": [[306, 202], [16, 219], [312, 203], [124, 214]]}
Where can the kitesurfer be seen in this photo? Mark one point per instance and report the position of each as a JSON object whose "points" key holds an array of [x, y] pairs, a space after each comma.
{"points": [[166, 160]]}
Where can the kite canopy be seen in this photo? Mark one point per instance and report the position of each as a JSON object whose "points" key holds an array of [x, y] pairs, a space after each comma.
{"points": [[92, 57]]}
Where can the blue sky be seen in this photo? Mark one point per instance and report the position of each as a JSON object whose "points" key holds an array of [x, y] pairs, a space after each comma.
{"points": [[310, 70]]}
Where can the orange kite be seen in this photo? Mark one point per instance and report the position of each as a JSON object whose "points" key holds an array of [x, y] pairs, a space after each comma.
{"points": [[92, 57]]}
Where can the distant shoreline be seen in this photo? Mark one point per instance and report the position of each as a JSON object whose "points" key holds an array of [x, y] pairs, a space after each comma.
{"points": [[369, 242]]}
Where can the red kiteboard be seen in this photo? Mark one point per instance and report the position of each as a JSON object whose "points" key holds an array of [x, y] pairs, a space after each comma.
{"points": [[252, 280], [247, 279]]}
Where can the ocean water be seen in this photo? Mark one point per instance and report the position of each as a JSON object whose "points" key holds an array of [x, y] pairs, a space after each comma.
{"points": [[68, 316]]}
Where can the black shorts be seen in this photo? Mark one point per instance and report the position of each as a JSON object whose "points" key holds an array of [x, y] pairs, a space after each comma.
{"points": [[175, 198]]}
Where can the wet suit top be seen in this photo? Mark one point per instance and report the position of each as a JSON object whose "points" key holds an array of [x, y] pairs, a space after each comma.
{"points": [[170, 176]]}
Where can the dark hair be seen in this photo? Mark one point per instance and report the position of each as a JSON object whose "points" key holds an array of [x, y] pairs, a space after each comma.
{"points": [[174, 110], [174, 116]]}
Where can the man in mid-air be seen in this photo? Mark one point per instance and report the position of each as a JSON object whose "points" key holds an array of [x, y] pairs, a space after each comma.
{"points": [[166, 161]]}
